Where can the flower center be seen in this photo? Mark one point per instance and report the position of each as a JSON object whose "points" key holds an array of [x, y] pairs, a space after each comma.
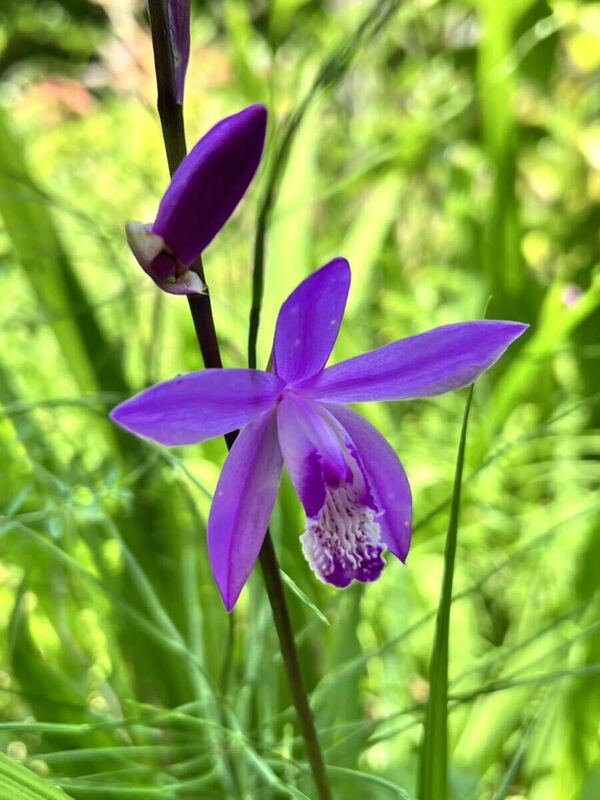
{"points": [[344, 542]]}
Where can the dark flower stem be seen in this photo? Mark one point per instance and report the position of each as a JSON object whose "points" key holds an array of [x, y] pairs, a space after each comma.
{"points": [[171, 118], [287, 642]]}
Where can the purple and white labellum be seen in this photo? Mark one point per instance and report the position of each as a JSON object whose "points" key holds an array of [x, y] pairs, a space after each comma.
{"points": [[344, 542]]}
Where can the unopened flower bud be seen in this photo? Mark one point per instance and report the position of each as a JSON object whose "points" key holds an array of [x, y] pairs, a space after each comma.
{"points": [[202, 195]]}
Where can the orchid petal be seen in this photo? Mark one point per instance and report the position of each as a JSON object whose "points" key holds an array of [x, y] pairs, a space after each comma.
{"points": [[386, 478], [309, 321], [313, 453], [242, 506], [429, 364], [199, 405]]}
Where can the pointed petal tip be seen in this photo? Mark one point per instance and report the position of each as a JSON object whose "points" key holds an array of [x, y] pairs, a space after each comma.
{"points": [[403, 541], [251, 123], [228, 598], [339, 265], [115, 413], [402, 555], [118, 415], [509, 329], [230, 594], [254, 119], [257, 112], [518, 328], [334, 276], [521, 327], [230, 602]]}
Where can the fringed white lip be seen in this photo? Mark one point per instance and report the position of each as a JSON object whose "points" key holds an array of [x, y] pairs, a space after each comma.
{"points": [[344, 542]]}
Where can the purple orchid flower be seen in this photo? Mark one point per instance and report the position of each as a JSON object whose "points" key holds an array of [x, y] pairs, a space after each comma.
{"points": [[179, 14], [353, 487], [201, 197]]}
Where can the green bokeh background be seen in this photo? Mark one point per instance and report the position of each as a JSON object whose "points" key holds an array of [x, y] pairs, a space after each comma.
{"points": [[452, 154]]}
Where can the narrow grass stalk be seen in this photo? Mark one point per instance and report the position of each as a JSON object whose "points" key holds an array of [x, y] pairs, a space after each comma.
{"points": [[18, 783], [171, 116], [433, 777], [332, 71]]}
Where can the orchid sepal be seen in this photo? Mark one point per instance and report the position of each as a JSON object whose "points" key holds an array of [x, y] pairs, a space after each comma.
{"points": [[157, 261]]}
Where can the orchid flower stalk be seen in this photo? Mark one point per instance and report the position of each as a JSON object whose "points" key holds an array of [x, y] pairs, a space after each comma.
{"points": [[171, 117], [352, 485], [347, 491]]}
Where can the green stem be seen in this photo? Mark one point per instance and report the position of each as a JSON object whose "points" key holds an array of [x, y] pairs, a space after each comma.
{"points": [[171, 117]]}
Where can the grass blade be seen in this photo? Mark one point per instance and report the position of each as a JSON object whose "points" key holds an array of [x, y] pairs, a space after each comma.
{"points": [[434, 748], [293, 586], [18, 783], [331, 72], [50, 274]]}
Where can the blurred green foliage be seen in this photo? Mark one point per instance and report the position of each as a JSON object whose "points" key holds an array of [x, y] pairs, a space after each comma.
{"points": [[453, 154]]}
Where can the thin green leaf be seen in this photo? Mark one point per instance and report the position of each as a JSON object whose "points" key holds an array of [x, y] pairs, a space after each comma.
{"points": [[434, 748], [19, 783], [50, 273], [375, 780], [293, 586]]}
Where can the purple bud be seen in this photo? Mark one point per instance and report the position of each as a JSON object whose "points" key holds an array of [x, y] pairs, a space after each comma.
{"points": [[203, 194], [179, 12]]}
